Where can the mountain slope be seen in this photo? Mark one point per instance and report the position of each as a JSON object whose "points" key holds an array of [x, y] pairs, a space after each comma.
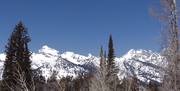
{"points": [[48, 59], [145, 64]]}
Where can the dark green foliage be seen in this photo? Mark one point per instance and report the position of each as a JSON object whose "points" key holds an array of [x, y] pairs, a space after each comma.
{"points": [[111, 66], [17, 54], [8, 69], [111, 55]]}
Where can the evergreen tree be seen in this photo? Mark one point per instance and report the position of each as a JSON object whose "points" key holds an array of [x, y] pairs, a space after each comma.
{"points": [[111, 66], [17, 54], [8, 65], [111, 55]]}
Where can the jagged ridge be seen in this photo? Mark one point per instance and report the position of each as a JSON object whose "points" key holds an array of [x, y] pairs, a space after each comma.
{"points": [[145, 64]]}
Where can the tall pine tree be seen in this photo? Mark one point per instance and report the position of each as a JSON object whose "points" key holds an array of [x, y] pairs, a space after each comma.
{"points": [[17, 54], [111, 55], [8, 69], [111, 66]]}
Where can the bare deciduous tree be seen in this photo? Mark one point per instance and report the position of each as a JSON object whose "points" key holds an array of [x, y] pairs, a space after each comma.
{"points": [[21, 81], [99, 80], [166, 12]]}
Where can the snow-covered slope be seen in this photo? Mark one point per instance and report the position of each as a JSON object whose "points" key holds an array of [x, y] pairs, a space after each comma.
{"points": [[145, 64], [48, 59], [141, 62]]}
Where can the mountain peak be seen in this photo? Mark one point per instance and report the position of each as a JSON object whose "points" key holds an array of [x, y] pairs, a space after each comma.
{"points": [[131, 52], [45, 47], [47, 50], [89, 55]]}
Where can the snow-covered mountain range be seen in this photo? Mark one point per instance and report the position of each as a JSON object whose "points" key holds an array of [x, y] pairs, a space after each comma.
{"points": [[145, 64]]}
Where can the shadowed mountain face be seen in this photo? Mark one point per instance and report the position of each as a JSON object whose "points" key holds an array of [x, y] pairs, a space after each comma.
{"points": [[145, 64]]}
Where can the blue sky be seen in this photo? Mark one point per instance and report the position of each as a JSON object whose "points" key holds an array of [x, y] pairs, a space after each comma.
{"points": [[81, 26]]}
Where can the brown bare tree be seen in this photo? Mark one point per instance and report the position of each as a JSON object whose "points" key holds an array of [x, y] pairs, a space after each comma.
{"points": [[166, 11], [99, 80], [20, 80]]}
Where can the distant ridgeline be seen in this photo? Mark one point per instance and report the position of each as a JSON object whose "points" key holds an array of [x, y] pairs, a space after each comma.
{"points": [[145, 64]]}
